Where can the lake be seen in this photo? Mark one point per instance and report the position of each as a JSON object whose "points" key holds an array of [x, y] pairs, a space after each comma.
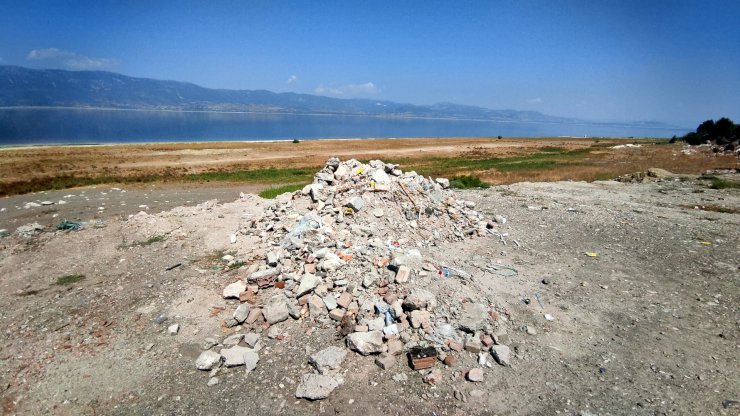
{"points": [[65, 126]]}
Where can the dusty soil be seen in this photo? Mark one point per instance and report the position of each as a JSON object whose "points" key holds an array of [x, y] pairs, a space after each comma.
{"points": [[648, 326]]}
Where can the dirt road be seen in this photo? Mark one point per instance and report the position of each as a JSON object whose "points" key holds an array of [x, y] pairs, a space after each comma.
{"points": [[645, 326]]}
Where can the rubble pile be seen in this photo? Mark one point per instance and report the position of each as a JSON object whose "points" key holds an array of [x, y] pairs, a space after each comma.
{"points": [[346, 252]]}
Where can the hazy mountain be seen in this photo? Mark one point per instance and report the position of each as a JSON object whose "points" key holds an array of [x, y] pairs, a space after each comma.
{"points": [[24, 87]]}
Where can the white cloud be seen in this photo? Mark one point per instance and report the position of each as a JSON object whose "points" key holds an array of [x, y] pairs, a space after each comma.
{"points": [[70, 60], [367, 88], [537, 100], [292, 79]]}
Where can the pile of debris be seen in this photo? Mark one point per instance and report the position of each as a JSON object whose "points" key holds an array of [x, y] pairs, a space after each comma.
{"points": [[346, 251], [651, 175]]}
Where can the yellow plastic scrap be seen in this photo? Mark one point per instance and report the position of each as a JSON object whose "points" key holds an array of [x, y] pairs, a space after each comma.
{"points": [[706, 243], [349, 211], [592, 254], [359, 170]]}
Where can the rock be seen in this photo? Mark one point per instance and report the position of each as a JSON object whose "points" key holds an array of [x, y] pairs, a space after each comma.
{"points": [[274, 332], [420, 318], [251, 339], [276, 309], [308, 283], [233, 290], [337, 314], [369, 280], [444, 182], [475, 375], [212, 381], [232, 340], [329, 359], [500, 219], [378, 212], [434, 377], [264, 274], [366, 343], [241, 313], [208, 343], [502, 355], [317, 386], [531, 331], [385, 361], [273, 258], [420, 299], [331, 262], [251, 358], [344, 299], [473, 317], [316, 306], [330, 302], [356, 203], [207, 360], [173, 329], [402, 275], [473, 343], [395, 347], [254, 315], [381, 177], [235, 355]]}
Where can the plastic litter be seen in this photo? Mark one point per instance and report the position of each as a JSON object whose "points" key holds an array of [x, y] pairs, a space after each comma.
{"points": [[591, 254]]}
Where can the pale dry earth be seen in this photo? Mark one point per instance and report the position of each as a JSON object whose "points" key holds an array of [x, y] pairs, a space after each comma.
{"points": [[649, 326]]}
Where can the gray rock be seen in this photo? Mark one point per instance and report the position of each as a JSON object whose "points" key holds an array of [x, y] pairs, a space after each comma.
{"points": [[499, 219], [356, 203], [502, 354], [420, 299], [173, 329], [242, 312], [475, 375], [316, 306], [232, 340], [385, 361], [308, 283], [207, 360], [208, 343], [329, 359], [330, 302], [381, 177], [366, 343], [378, 212], [251, 339], [235, 355], [473, 317], [233, 290], [273, 258], [369, 280], [264, 274], [276, 309], [317, 386], [212, 381], [251, 358], [444, 182]]}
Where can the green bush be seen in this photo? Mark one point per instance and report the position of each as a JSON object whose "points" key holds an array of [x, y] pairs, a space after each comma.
{"points": [[272, 193], [468, 181]]}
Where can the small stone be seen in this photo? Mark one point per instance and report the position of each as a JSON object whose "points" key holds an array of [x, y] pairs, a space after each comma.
{"points": [[385, 361], [330, 302], [487, 341], [316, 306], [473, 344], [356, 203], [173, 329], [235, 355], [344, 299], [545, 281], [473, 318], [233, 290], [317, 386], [456, 345], [208, 343], [207, 360], [251, 358], [531, 331], [366, 343], [502, 355], [329, 359], [475, 375], [449, 360], [395, 347], [276, 309], [420, 318], [402, 275], [212, 381], [308, 283], [434, 377], [251, 339], [420, 299], [337, 314], [444, 182], [241, 313], [254, 315], [378, 212], [369, 280], [232, 340], [500, 219]]}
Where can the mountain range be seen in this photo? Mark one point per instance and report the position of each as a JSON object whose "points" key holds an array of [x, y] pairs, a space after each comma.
{"points": [[24, 87]]}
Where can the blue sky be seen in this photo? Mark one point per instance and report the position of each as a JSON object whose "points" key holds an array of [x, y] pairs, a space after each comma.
{"points": [[672, 61]]}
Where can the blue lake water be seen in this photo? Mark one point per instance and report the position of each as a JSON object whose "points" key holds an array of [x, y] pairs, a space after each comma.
{"points": [[64, 126]]}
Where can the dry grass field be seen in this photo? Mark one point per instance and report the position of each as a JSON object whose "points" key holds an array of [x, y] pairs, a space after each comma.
{"points": [[498, 161]]}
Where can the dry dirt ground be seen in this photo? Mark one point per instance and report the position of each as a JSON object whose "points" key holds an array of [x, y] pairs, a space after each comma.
{"points": [[648, 326]]}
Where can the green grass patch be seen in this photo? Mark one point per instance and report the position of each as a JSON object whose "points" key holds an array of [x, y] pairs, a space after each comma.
{"points": [[151, 240], [719, 183], [69, 279], [467, 182], [272, 193], [550, 149]]}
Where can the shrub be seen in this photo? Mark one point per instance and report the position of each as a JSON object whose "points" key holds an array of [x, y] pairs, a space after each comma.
{"points": [[468, 181]]}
